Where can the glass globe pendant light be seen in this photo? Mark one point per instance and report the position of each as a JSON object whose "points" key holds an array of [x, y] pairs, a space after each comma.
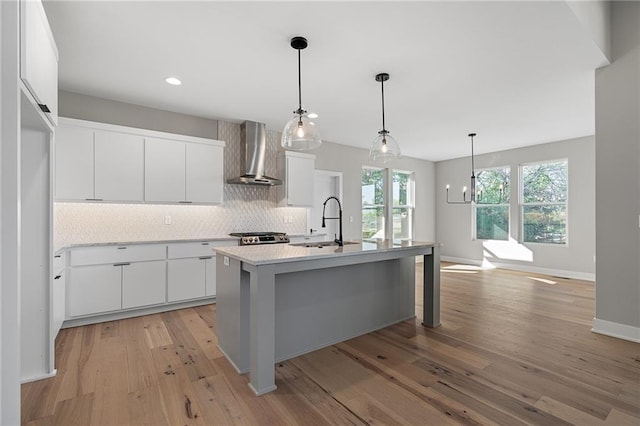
{"points": [[300, 133], [384, 147]]}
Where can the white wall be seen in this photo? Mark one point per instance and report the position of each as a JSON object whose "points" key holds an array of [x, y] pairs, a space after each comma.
{"points": [[618, 179], [576, 259], [350, 160]]}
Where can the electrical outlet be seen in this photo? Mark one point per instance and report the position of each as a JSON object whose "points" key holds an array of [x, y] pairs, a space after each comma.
{"points": [[167, 220], [350, 219], [226, 260]]}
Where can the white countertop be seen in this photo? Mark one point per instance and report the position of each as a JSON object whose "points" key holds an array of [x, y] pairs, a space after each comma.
{"points": [[128, 243], [282, 253]]}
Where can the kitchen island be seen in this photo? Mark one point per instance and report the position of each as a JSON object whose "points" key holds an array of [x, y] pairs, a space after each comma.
{"points": [[278, 301]]}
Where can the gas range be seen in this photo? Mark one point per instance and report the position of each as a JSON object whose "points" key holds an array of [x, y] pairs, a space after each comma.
{"points": [[255, 238]]}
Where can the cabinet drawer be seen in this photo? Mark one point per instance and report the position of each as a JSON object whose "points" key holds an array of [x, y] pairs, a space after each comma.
{"points": [[200, 249], [116, 254]]}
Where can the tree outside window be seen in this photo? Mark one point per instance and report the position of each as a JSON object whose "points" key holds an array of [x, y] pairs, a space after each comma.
{"points": [[492, 204], [544, 202], [372, 203], [375, 197]]}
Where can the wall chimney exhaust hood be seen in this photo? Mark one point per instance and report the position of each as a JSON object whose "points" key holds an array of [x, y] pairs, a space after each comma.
{"points": [[254, 144]]}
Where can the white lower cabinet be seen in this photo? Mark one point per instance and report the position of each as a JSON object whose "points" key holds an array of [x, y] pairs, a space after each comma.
{"points": [[144, 284], [94, 289], [185, 279], [210, 276], [114, 279]]}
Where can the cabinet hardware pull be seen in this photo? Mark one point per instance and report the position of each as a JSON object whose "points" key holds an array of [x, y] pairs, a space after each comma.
{"points": [[57, 256], [44, 108], [57, 277], [122, 248], [205, 244], [205, 257], [122, 264], [185, 202], [93, 199]]}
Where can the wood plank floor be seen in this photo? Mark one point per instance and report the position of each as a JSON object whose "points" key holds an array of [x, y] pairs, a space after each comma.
{"points": [[514, 348]]}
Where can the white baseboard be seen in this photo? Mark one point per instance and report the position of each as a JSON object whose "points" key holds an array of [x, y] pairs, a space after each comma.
{"points": [[523, 268], [38, 377], [614, 329]]}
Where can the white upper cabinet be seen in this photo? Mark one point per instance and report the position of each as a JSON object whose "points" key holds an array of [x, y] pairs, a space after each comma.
{"points": [[204, 173], [297, 173], [119, 166], [73, 163], [103, 162], [39, 57], [164, 170], [182, 172]]}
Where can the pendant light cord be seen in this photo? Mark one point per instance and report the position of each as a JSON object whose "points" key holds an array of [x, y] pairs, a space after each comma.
{"points": [[382, 86], [299, 86], [473, 168]]}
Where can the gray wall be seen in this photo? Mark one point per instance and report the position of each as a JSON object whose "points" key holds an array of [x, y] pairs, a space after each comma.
{"points": [[618, 172], [350, 160], [83, 107], [454, 221]]}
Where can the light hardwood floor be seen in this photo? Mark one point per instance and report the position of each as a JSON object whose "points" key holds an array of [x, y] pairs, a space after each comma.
{"points": [[514, 348]]}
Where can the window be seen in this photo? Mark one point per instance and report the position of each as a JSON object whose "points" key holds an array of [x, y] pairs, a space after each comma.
{"points": [[492, 204], [544, 202], [402, 205], [374, 202]]}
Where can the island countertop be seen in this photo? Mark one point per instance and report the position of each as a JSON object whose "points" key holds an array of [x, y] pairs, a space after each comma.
{"points": [[282, 253]]}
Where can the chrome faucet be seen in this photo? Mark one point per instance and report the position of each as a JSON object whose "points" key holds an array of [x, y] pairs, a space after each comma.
{"points": [[339, 241]]}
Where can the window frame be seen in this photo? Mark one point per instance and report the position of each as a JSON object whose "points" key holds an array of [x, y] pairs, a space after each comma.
{"points": [[522, 204], [387, 200], [474, 212]]}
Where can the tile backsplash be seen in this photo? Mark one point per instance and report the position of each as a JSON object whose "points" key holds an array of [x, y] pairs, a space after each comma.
{"points": [[245, 208]]}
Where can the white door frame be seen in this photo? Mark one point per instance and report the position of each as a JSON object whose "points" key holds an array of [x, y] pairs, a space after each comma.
{"points": [[329, 173]]}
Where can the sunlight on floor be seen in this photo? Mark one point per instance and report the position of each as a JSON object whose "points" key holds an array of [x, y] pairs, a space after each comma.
{"points": [[461, 269], [542, 280]]}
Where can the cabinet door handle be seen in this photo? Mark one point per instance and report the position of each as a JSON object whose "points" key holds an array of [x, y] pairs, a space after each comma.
{"points": [[185, 202], [57, 277], [44, 108], [122, 264], [57, 256], [205, 244], [93, 199], [122, 248], [205, 257]]}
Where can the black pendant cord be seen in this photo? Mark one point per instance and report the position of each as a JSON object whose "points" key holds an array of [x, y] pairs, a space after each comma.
{"points": [[473, 168], [384, 129], [299, 86]]}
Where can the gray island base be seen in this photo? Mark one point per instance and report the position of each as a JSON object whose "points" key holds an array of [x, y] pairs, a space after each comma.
{"points": [[275, 302]]}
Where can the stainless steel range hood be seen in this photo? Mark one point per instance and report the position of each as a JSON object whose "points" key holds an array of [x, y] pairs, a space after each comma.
{"points": [[254, 144]]}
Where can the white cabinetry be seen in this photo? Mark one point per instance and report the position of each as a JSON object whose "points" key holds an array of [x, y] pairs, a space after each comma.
{"points": [[204, 173], [143, 284], [98, 165], [192, 270], [104, 162], [297, 173], [39, 57], [183, 172], [106, 279], [74, 163], [119, 164]]}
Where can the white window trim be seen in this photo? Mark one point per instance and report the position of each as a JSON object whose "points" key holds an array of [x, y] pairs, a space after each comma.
{"points": [[522, 204], [474, 228], [387, 191]]}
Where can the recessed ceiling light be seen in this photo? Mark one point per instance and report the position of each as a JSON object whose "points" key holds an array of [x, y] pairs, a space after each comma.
{"points": [[312, 115], [173, 81]]}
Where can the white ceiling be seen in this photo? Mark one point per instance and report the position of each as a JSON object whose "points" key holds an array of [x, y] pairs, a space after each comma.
{"points": [[517, 73]]}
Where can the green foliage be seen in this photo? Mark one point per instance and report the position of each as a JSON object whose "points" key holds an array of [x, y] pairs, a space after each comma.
{"points": [[492, 186], [545, 224], [545, 182], [492, 222]]}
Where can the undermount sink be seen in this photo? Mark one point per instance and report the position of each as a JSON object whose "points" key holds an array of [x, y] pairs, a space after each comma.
{"points": [[320, 244]]}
